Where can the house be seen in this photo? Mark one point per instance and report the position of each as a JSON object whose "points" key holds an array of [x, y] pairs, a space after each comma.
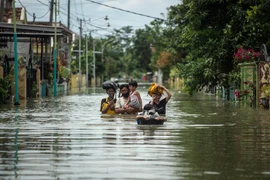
{"points": [[20, 15], [4, 4], [34, 48]]}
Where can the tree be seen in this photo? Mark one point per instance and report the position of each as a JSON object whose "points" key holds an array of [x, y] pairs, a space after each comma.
{"points": [[209, 32], [141, 51]]}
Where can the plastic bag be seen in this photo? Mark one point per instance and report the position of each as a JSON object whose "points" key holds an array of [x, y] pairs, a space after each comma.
{"points": [[154, 89], [109, 84]]}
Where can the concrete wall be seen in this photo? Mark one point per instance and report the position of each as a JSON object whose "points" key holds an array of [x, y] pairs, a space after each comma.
{"points": [[177, 83], [22, 84], [75, 80]]}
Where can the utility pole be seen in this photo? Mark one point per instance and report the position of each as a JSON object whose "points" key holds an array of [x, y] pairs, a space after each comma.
{"points": [[80, 46], [16, 73], [51, 12], [1, 9], [86, 56], [68, 20], [55, 47], [102, 53], [94, 63]]}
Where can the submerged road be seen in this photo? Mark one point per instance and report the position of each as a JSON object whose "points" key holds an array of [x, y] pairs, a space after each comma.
{"points": [[67, 138]]}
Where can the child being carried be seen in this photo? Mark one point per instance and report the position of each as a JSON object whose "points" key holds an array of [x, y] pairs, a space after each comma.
{"points": [[134, 100], [150, 113]]}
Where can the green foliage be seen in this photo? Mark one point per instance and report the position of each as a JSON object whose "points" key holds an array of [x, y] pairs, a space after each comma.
{"points": [[210, 32], [202, 35], [74, 65], [5, 84], [141, 51], [34, 90], [235, 79], [174, 72], [161, 42], [65, 72]]}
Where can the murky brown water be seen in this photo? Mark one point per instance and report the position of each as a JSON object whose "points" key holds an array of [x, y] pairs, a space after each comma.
{"points": [[68, 138]]}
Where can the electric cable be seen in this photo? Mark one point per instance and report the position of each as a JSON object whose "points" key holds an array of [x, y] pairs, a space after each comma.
{"points": [[43, 15], [125, 10], [82, 8], [75, 7], [75, 17], [31, 14], [42, 3]]}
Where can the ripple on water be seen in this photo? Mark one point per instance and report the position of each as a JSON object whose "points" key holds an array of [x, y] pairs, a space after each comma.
{"points": [[68, 138]]}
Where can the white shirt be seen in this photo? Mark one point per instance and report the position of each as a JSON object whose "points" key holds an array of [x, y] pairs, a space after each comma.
{"points": [[120, 102]]}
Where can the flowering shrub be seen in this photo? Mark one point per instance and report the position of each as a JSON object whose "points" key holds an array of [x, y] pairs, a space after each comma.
{"points": [[239, 94], [246, 55], [249, 93]]}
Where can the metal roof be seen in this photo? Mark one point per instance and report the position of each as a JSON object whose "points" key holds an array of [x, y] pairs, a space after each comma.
{"points": [[27, 30], [11, 34]]}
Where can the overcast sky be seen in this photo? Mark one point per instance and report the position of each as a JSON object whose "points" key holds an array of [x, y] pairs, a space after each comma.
{"points": [[94, 14]]}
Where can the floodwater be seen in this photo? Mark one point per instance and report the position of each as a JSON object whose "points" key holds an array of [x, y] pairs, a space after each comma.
{"points": [[67, 138]]}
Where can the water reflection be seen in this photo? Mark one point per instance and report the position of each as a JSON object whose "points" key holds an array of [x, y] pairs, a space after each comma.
{"points": [[16, 143], [68, 138]]}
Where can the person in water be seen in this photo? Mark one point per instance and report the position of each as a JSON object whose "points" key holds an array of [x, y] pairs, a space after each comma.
{"points": [[135, 100], [123, 100], [107, 105], [158, 102]]}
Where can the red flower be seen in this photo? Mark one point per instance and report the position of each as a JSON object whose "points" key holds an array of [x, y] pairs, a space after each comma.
{"points": [[237, 94], [246, 55]]}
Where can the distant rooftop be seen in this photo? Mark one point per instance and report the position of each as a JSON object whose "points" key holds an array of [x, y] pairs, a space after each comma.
{"points": [[8, 14]]}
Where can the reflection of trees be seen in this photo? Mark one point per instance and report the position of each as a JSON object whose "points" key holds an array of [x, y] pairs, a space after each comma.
{"points": [[223, 142], [148, 130], [16, 152]]}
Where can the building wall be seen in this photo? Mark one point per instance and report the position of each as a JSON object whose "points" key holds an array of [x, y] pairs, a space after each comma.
{"points": [[4, 4], [75, 80], [22, 84]]}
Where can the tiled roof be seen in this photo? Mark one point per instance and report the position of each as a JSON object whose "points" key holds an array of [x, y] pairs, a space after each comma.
{"points": [[8, 14]]}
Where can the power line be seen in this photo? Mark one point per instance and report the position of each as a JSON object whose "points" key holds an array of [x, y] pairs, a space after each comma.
{"points": [[31, 14], [75, 7], [72, 13], [82, 8], [43, 15], [42, 3], [25, 8], [125, 10], [101, 28]]}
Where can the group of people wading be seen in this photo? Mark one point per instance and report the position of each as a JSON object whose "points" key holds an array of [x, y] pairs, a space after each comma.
{"points": [[129, 100]]}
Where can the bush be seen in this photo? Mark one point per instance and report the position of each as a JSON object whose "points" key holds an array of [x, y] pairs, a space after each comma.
{"points": [[65, 72], [5, 84]]}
